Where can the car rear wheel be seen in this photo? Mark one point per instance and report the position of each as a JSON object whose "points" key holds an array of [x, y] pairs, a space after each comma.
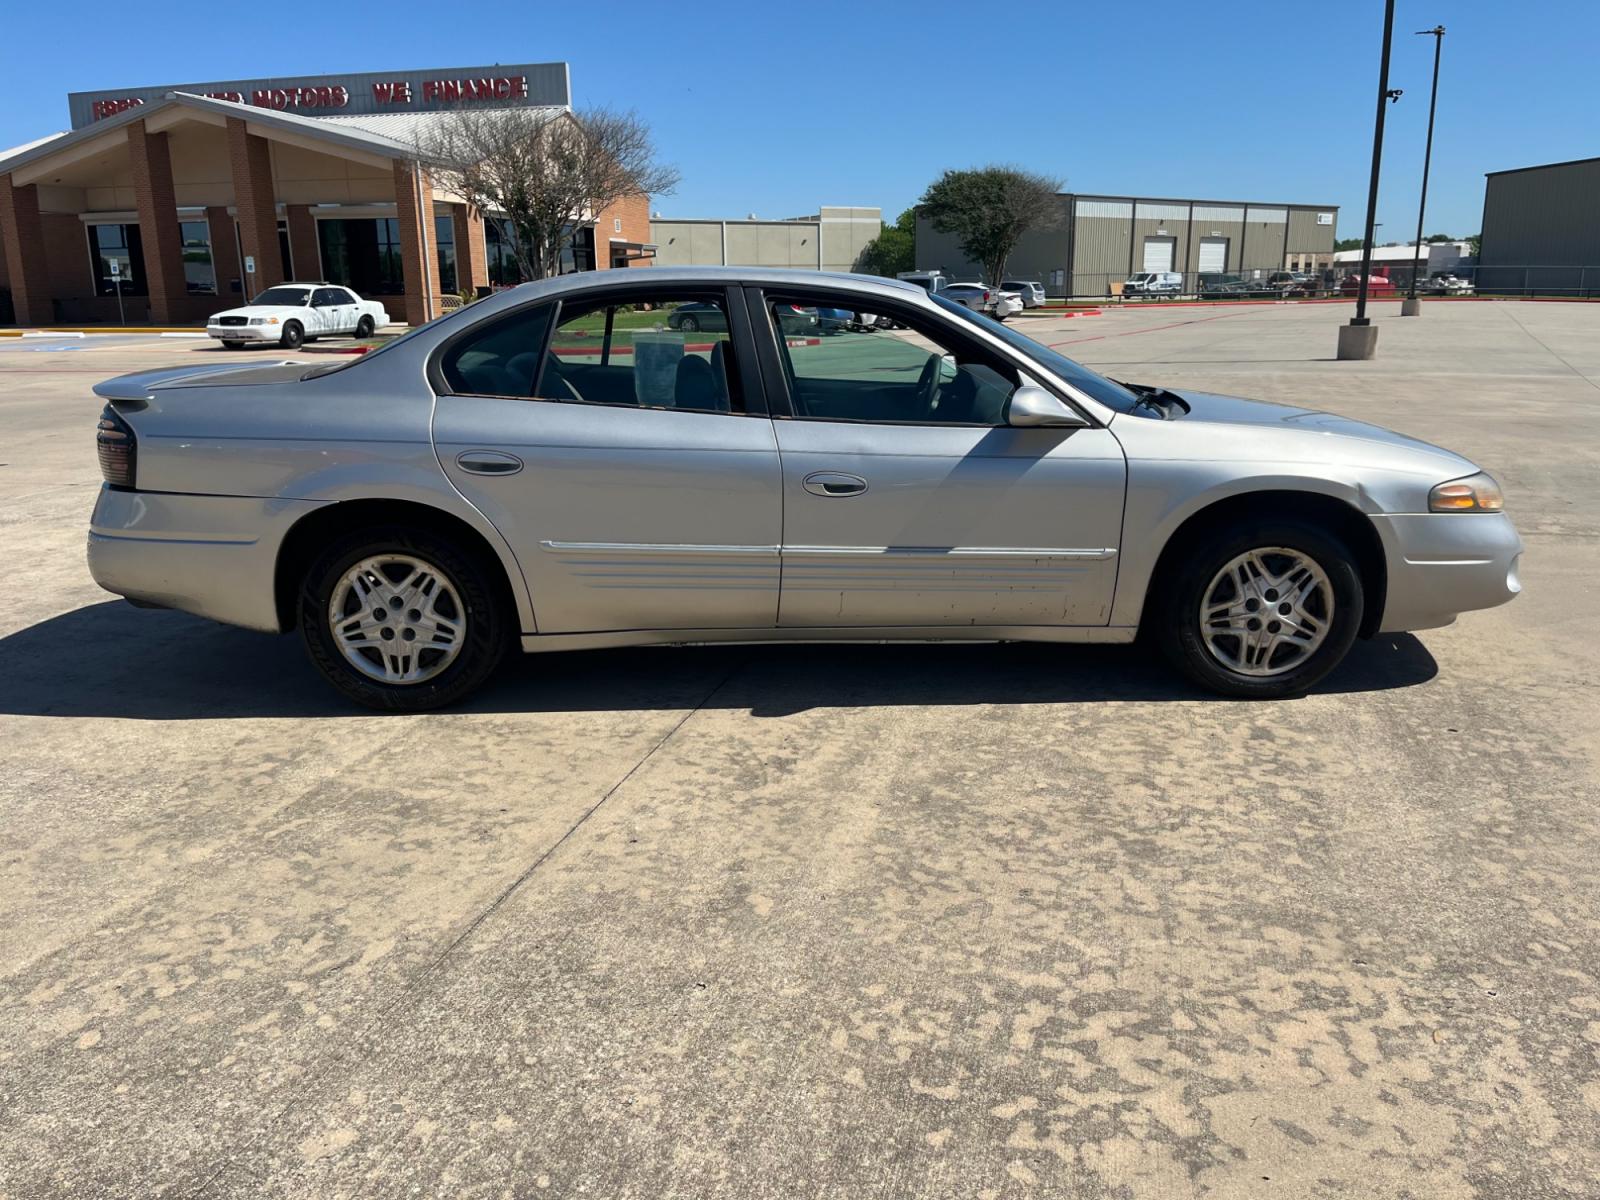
{"points": [[1261, 610], [364, 327], [293, 335], [402, 620]]}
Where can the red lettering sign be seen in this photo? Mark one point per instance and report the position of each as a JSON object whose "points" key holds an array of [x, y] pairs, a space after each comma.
{"points": [[101, 109]]}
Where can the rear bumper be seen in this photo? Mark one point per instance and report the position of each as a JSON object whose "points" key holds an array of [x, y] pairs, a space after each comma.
{"points": [[214, 556], [1442, 564]]}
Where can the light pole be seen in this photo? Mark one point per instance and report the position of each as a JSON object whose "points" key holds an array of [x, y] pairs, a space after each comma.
{"points": [[1413, 307], [1359, 339]]}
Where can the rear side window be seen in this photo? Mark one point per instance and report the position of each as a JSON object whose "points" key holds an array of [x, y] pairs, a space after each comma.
{"points": [[499, 358]]}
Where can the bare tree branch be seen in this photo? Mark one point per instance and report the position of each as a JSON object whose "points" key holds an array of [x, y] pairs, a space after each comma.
{"points": [[540, 176]]}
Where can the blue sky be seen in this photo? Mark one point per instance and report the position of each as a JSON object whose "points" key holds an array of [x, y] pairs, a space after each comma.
{"points": [[777, 108]]}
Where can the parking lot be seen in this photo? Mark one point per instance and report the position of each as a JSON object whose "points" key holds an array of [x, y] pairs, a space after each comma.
{"points": [[860, 921]]}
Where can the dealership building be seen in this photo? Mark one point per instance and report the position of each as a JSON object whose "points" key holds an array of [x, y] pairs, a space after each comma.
{"points": [[1098, 240], [831, 239], [179, 199]]}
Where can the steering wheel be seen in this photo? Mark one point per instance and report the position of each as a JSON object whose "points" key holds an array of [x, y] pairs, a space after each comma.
{"points": [[928, 384]]}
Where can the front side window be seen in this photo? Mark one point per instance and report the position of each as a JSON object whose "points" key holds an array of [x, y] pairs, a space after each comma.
{"points": [[669, 350], [1107, 391], [199, 275], [116, 255], [919, 375]]}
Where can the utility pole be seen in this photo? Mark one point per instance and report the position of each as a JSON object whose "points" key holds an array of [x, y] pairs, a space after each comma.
{"points": [[1413, 306], [1359, 339]]}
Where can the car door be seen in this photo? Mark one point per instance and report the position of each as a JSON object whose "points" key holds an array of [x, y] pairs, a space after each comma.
{"points": [[907, 499], [349, 312], [322, 318], [631, 465]]}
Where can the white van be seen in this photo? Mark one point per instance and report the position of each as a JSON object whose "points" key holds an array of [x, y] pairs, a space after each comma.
{"points": [[1153, 283]]}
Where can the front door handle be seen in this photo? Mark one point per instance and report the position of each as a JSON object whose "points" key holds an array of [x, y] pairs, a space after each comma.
{"points": [[488, 462], [834, 483]]}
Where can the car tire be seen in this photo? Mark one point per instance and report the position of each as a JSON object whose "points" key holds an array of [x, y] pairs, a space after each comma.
{"points": [[293, 335], [463, 592], [364, 327], [1220, 660], [688, 324], [230, 344]]}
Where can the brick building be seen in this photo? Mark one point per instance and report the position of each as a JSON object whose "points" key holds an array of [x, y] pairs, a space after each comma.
{"points": [[169, 195]]}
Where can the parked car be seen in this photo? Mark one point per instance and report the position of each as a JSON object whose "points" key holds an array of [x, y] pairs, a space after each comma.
{"points": [[1153, 283], [292, 313], [928, 281], [1288, 283], [835, 320], [1378, 284], [709, 317], [980, 297], [1445, 283], [484, 483], [1032, 293], [1215, 285]]}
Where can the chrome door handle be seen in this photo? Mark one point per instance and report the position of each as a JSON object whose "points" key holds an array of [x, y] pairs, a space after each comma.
{"points": [[834, 483], [488, 462]]}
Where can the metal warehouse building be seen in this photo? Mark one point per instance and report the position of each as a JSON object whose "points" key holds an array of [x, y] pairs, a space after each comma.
{"points": [[1541, 230], [1098, 240], [831, 240]]}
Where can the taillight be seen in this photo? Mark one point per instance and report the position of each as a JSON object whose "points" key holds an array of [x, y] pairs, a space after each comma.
{"points": [[117, 447]]}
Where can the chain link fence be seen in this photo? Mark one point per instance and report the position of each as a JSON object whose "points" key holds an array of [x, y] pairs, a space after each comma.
{"points": [[1341, 281]]}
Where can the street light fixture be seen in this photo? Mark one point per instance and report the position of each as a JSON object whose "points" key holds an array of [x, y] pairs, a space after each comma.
{"points": [[1413, 307], [1359, 339]]}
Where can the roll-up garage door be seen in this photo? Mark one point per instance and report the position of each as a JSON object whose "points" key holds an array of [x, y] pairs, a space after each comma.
{"points": [[1158, 253], [1213, 254]]}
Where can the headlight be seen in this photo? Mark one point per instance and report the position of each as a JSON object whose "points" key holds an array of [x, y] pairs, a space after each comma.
{"points": [[258, 320], [1476, 493]]}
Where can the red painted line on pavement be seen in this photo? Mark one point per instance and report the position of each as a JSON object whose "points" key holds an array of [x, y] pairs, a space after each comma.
{"points": [[1099, 337]]}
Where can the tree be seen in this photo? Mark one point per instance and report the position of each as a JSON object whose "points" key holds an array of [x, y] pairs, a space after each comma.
{"points": [[540, 175], [1349, 243], [895, 249], [989, 209], [1434, 239], [1474, 243]]}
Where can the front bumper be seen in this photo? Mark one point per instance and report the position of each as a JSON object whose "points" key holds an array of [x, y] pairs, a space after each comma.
{"points": [[245, 333], [214, 556], [1443, 564]]}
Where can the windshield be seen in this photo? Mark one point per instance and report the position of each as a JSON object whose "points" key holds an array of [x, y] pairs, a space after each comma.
{"points": [[1110, 393], [288, 297]]}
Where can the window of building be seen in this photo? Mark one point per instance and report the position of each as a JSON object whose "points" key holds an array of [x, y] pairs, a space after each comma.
{"points": [[119, 244], [444, 233], [283, 250], [904, 376], [654, 351], [199, 273], [362, 253], [503, 271]]}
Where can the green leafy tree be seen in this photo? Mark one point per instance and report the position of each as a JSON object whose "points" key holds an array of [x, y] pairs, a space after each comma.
{"points": [[1474, 243], [1348, 244], [895, 249], [989, 209], [1435, 238]]}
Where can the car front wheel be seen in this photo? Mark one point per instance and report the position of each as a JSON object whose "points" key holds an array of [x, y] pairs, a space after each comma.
{"points": [[402, 620], [1261, 610]]}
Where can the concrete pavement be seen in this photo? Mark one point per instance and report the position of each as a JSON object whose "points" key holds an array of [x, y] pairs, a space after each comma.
{"points": [[964, 921]]}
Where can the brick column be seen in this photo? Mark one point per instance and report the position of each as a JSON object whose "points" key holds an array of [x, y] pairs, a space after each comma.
{"points": [[421, 269], [158, 223], [472, 255], [224, 251], [251, 160], [303, 242], [23, 236]]}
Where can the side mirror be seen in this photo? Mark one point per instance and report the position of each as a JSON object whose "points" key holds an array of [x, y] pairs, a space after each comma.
{"points": [[1032, 407]]}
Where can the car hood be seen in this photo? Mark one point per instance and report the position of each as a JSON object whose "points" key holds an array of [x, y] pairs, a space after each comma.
{"points": [[1213, 409]]}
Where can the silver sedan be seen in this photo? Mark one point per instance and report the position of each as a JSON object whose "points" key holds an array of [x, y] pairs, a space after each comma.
{"points": [[562, 466]]}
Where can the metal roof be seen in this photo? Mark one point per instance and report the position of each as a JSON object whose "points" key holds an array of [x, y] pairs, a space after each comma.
{"points": [[1571, 162]]}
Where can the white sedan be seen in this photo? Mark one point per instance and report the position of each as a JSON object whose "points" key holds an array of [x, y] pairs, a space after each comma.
{"points": [[292, 313]]}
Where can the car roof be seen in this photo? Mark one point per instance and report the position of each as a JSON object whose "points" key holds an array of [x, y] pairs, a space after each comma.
{"points": [[690, 277]]}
